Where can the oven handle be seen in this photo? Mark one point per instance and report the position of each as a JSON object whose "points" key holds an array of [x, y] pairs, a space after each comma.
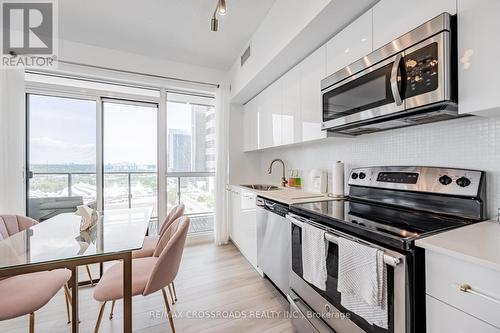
{"points": [[394, 80], [388, 259]]}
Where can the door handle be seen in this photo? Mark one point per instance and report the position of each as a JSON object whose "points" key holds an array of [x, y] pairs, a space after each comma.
{"points": [[29, 174], [394, 80]]}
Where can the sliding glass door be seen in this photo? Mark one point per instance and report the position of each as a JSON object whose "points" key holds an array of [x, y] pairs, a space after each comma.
{"points": [[130, 154], [103, 152], [61, 155]]}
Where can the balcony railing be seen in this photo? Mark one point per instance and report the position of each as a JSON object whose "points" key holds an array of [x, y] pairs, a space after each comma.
{"points": [[124, 189]]}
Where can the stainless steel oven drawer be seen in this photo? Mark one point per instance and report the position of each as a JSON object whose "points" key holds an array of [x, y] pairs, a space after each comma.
{"points": [[303, 319]]}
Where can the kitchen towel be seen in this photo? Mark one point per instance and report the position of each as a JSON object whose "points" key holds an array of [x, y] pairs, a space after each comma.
{"points": [[338, 179], [314, 251], [362, 281]]}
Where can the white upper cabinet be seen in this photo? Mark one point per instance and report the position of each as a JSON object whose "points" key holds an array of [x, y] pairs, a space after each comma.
{"points": [[269, 115], [250, 125], [312, 71], [393, 18], [478, 49], [290, 116], [351, 44]]}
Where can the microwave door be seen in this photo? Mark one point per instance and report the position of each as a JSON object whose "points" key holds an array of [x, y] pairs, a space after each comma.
{"points": [[366, 95]]}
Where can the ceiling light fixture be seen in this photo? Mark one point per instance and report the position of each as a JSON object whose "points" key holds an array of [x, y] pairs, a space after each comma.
{"points": [[221, 10], [221, 7]]}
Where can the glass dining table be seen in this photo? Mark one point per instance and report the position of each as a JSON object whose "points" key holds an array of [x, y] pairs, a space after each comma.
{"points": [[59, 243]]}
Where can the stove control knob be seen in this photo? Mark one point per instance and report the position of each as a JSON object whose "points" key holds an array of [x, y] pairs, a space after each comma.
{"points": [[445, 180], [362, 175], [463, 182], [354, 175]]}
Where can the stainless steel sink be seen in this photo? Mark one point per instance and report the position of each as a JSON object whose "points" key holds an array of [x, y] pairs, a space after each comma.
{"points": [[262, 187]]}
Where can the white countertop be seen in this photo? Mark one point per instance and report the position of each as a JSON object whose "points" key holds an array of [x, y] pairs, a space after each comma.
{"points": [[288, 195], [478, 243]]}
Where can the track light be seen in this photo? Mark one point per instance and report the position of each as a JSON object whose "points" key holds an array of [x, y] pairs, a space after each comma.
{"points": [[221, 7], [221, 10]]}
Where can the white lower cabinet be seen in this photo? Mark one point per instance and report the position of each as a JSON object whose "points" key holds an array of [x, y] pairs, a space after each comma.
{"points": [[443, 318], [450, 307], [243, 222]]}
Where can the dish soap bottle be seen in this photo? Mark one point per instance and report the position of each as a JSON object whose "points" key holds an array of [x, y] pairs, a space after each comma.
{"points": [[297, 180], [291, 179]]}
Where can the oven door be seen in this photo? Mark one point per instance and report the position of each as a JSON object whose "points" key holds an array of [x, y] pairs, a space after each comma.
{"points": [[372, 93], [327, 303]]}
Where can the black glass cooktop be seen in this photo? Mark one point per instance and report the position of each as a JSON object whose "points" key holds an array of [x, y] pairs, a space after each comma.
{"points": [[386, 224]]}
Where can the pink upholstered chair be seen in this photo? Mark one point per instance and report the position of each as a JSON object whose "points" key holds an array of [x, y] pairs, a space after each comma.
{"points": [[12, 224], [149, 274], [20, 295], [149, 246], [24, 294], [152, 246]]}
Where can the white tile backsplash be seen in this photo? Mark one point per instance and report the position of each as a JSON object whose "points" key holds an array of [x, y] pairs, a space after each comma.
{"points": [[470, 142]]}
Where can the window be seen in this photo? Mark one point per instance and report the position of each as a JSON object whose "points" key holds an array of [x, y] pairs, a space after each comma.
{"points": [[85, 127], [191, 157], [61, 155]]}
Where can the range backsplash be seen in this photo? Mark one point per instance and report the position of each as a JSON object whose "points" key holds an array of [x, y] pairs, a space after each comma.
{"points": [[471, 142]]}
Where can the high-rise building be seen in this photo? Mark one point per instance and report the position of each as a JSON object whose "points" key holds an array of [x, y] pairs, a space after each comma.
{"points": [[179, 150]]}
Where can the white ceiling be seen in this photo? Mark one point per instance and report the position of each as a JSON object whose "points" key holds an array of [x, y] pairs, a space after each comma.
{"points": [[177, 30]]}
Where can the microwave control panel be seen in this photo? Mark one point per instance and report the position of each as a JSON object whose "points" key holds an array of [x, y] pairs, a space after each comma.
{"points": [[421, 70]]}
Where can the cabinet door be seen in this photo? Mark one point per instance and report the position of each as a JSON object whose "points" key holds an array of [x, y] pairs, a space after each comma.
{"points": [[351, 44], [312, 71], [478, 48], [250, 125], [393, 18], [290, 116], [269, 115], [442, 318], [249, 226], [237, 231]]}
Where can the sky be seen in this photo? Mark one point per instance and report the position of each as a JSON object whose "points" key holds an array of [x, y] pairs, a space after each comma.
{"points": [[63, 130]]}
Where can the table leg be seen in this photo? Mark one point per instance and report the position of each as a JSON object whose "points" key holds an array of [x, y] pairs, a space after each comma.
{"points": [[127, 293], [74, 299]]}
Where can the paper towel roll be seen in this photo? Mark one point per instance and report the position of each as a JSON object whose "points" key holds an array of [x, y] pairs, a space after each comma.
{"points": [[338, 179]]}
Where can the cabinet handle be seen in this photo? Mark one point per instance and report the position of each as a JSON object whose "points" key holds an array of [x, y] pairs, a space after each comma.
{"points": [[466, 288]]}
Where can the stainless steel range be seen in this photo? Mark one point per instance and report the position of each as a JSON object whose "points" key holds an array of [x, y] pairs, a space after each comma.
{"points": [[388, 208]]}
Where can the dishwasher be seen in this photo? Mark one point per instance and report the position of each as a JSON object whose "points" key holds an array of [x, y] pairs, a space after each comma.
{"points": [[273, 242]]}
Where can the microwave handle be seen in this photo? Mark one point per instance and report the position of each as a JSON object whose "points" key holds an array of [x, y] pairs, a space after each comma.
{"points": [[394, 80]]}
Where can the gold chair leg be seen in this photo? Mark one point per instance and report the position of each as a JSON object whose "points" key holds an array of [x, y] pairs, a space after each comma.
{"points": [[90, 276], [171, 295], [169, 312], [32, 322], [66, 293], [175, 293], [112, 308], [101, 311]]}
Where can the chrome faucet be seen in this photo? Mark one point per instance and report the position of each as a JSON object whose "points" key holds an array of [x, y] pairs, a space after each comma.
{"points": [[283, 179]]}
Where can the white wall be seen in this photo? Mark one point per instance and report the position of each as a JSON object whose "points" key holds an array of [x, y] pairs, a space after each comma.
{"points": [[12, 148], [98, 56], [471, 142]]}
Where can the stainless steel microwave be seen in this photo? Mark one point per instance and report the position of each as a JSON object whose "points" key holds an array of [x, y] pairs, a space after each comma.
{"points": [[410, 81]]}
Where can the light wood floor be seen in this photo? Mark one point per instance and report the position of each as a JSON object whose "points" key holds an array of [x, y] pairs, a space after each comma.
{"points": [[211, 279]]}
